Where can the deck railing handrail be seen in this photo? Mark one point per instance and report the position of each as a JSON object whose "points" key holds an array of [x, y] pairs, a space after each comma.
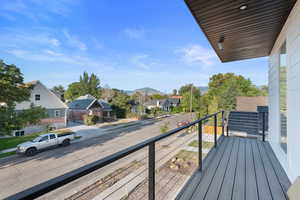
{"points": [[52, 184]]}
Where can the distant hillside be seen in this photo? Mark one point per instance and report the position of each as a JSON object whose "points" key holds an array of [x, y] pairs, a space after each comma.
{"points": [[146, 90], [203, 89]]}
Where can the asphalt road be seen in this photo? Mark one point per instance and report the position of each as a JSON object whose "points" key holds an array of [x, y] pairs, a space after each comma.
{"points": [[18, 173]]}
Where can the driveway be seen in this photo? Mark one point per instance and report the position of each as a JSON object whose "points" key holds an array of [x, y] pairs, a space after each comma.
{"points": [[18, 173]]}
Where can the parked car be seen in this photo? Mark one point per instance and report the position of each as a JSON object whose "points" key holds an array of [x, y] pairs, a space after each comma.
{"points": [[44, 141]]}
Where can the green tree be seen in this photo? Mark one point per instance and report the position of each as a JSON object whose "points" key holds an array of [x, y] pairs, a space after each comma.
{"points": [[74, 91], [190, 97], [59, 89], [174, 92], [226, 87], [88, 84], [120, 103], [12, 91]]}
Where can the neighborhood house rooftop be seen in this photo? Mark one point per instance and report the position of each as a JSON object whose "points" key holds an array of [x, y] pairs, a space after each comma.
{"points": [[239, 29]]}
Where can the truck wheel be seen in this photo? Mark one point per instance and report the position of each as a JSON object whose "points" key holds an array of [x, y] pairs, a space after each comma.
{"points": [[66, 142], [31, 151]]}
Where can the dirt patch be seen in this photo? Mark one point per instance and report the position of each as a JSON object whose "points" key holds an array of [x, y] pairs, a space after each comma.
{"points": [[184, 162], [106, 182]]}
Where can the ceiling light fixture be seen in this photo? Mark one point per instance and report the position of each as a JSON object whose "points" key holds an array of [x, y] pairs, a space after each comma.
{"points": [[243, 7], [221, 43]]}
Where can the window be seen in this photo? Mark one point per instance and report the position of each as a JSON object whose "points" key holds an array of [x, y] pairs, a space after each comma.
{"points": [[283, 97], [19, 133], [52, 136], [37, 97], [44, 138], [57, 113]]}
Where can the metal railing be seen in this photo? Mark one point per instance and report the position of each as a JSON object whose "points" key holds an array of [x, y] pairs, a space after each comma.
{"points": [[55, 183]]}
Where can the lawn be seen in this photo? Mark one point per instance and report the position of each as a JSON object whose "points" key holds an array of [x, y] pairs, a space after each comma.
{"points": [[205, 144], [2, 155], [11, 142]]}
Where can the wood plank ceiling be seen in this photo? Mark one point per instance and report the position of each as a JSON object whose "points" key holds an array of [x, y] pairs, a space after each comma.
{"points": [[248, 33]]}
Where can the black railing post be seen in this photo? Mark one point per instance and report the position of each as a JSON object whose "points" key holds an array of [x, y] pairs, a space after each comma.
{"points": [[263, 126], [227, 129], [200, 145], [215, 129], [151, 171], [223, 123]]}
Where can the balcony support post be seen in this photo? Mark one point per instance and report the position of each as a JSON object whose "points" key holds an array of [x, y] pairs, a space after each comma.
{"points": [[200, 145], [263, 126], [151, 172], [223, 123], [215, 129]]}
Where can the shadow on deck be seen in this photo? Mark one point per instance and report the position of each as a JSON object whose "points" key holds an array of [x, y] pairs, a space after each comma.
{"points": [[239, 168]]}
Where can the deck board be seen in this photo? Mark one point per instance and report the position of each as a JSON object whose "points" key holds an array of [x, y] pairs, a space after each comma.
{"points": [[204, 184], [239, 168]]}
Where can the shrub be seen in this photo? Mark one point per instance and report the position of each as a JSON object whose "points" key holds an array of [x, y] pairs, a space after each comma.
{"points": [[165, 127], [90, 119]]}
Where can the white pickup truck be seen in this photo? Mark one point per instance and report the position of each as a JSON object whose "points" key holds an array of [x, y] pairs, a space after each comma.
{"points": [[44, 141]]}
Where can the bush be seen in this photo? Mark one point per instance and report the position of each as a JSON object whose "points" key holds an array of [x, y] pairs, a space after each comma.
{"points": [[90, 119], [165, 127]]}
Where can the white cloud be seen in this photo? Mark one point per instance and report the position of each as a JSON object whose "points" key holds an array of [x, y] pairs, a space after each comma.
{"points": [[35, 9], [134, 33], [196, 54], [75, 42], [142, 61]]}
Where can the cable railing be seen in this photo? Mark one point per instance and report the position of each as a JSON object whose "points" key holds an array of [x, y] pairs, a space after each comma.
{"points": [[55, 183]]}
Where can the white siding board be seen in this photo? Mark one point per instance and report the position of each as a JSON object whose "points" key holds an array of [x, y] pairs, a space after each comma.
{"points": [[290, 33]]}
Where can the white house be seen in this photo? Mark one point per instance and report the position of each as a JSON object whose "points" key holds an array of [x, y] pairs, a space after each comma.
{"points": [[56, 109]]}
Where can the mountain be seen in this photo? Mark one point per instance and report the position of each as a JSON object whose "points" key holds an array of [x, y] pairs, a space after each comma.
{"points": [[146, 90], [203, 89]]}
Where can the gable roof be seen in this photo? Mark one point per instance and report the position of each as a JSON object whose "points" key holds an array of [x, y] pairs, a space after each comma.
{"points": [[105, 106], [49, 100], [81, 104]]}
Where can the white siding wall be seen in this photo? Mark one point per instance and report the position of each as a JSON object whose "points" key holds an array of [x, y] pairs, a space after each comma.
{"points": [[290, 33]]}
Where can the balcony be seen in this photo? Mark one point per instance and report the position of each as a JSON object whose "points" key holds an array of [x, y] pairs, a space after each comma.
{"points": [[239, 168], [234, 168]]}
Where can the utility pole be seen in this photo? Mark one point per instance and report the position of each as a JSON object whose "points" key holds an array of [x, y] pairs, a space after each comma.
{"points": [[191, 102]]}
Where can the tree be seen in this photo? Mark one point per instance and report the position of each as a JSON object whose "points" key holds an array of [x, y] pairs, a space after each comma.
{"points": [[190, 97], [226, 87], [74, 91], [12, 88], [86, 85], [157, 97], [120, 103], [174, 92], [90, 85], [12, 91], [60, 89]]}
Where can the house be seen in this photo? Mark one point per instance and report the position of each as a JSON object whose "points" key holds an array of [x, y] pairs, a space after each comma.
{"points": [[164, 104], [56, 109], [250, 104], [89, 105]]}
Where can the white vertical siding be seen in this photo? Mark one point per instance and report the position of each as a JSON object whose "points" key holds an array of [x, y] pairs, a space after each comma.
{"points": [[290, 33]]}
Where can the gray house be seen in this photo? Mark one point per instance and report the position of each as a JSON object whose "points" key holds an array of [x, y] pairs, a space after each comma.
{"points": [[56, 109]]}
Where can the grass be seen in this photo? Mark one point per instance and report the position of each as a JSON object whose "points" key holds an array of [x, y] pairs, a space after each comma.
{"points": [[3, 155], [187, 155], [205, 144], [12, 142]]}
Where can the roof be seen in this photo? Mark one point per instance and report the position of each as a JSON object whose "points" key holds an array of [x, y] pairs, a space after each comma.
{"points": [[152, 102], [243, 34], [104, 105], [87, 96], [250, 104], [81, 104]]}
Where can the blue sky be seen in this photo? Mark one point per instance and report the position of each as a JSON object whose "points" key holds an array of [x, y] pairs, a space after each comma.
{"points": [[128, 44]]}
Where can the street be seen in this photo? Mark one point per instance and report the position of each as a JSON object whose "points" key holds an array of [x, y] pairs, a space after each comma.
{"points": [[18, 173]]}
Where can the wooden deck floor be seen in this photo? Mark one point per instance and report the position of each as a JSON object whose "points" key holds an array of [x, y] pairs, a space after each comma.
{"points": [[239, 168]]}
